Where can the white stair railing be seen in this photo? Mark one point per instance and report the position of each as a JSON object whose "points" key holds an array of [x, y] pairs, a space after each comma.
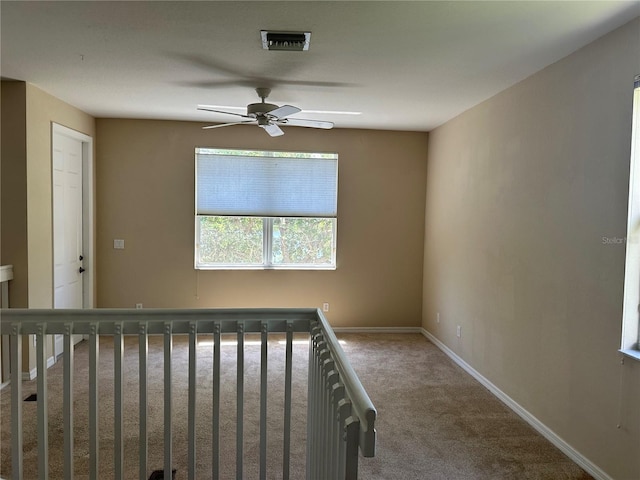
{"points": [[340, 415]]}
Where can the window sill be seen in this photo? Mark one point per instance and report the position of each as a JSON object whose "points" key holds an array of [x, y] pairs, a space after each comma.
{"points": [[629, 352], [260, 267]]}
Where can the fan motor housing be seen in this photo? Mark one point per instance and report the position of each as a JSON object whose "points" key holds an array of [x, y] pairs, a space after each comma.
{"points": [[260, 108]]}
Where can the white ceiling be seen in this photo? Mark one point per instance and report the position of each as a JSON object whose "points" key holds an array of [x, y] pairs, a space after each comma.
{"points": [[404, 65]]}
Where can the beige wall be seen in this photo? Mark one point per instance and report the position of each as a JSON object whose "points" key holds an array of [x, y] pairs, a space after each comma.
{"points": [[521, 191], [13, 241], [38, 110], [145, 195], [43, 110]]}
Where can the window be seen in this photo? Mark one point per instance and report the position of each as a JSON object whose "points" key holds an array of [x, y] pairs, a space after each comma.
{"points": [[631, 314], [265, 210]]}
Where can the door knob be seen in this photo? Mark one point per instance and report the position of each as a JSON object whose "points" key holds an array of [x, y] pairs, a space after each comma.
{"points": [[81, 270]]}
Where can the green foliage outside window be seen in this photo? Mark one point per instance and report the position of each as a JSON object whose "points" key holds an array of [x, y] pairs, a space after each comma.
{"points": [[306, 241], [230, 240], [239, 241]]}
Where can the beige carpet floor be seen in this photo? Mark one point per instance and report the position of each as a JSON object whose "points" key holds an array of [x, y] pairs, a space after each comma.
{"points": [[434, 420]]}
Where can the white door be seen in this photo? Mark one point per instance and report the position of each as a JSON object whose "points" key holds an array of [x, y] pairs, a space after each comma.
{"points": [[67, 226]]}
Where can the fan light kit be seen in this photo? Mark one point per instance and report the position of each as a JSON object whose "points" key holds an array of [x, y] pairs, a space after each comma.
{"points": [[289, 41], [268, 116]]}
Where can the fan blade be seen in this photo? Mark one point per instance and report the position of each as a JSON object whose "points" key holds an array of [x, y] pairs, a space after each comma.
{"points": [[244, 77], [209, 84], [301, 122], [265, 82], [273, 130], [284, 111], [221, 111], [226, 124]]}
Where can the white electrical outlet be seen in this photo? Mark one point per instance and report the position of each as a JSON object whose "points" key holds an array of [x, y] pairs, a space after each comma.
{"points": [[138, 305], [118, 243], [458, 331], [325, 307]]}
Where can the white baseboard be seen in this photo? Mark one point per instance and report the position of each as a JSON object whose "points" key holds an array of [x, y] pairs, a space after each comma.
{"points": [[33, 373], [377, 329], [540, 427]]}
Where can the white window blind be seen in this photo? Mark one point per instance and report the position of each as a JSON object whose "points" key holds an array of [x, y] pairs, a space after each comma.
{"points": [[267, 184]]}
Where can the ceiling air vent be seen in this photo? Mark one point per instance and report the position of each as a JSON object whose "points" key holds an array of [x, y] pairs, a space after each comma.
{"points": [[289, 41]]}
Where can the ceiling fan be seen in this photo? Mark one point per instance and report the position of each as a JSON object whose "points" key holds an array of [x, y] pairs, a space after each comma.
{"points": [[268, 116]]}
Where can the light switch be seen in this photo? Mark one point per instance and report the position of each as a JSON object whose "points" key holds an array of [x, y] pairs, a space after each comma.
{"points": [[118, 243]]}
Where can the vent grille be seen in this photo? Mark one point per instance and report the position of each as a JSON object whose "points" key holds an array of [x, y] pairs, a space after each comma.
{"points": [[287, 41]]}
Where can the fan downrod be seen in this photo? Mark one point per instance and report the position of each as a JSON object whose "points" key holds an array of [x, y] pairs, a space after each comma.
{"points": [[263, 92], [262, 108]]}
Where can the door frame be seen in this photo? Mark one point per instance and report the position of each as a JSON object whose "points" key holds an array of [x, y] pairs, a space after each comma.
{"points": [[88, 199]]}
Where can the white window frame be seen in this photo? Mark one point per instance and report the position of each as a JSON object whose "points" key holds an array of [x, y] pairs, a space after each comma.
{"points": [[630, 343], [267, 227]]}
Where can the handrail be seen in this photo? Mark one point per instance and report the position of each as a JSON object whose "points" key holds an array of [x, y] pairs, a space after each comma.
{"points": [[361, 402], [56, 319], [6, 273]]}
